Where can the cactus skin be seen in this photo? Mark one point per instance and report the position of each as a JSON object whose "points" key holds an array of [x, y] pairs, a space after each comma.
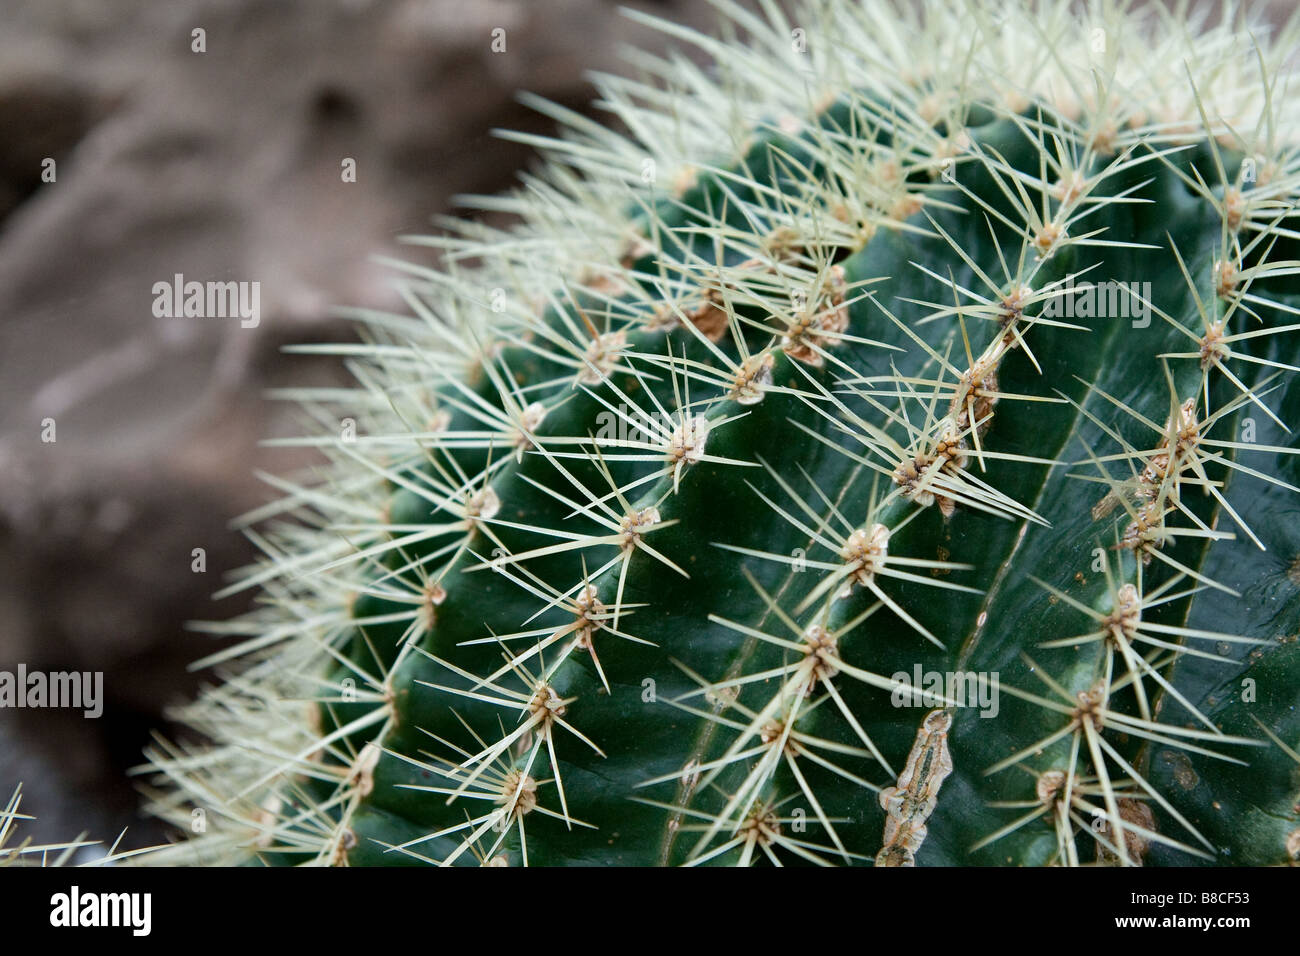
{"points": [[841, 293]]}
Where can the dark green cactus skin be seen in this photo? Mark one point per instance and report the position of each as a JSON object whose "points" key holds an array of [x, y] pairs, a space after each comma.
{"points": [[1022, 581], [641, 739]]}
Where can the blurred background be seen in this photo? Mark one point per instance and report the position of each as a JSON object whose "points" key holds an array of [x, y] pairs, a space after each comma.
{"points": [[220, 165]]}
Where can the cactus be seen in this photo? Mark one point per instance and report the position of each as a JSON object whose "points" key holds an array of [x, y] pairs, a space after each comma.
{"points": [[26, 853], [878, 454]]}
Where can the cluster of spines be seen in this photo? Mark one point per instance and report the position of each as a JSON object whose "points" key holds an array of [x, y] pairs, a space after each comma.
{"points": [[14, 852]]}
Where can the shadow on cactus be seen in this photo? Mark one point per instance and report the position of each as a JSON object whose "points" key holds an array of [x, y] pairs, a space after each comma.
{"points": [[879, 454]]}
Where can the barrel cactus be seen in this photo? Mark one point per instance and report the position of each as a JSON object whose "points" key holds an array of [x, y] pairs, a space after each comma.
{"points": [[878, 452]]}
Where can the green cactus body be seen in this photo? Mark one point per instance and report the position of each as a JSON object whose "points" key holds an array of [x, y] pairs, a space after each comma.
{"points": [[953, 354]]}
